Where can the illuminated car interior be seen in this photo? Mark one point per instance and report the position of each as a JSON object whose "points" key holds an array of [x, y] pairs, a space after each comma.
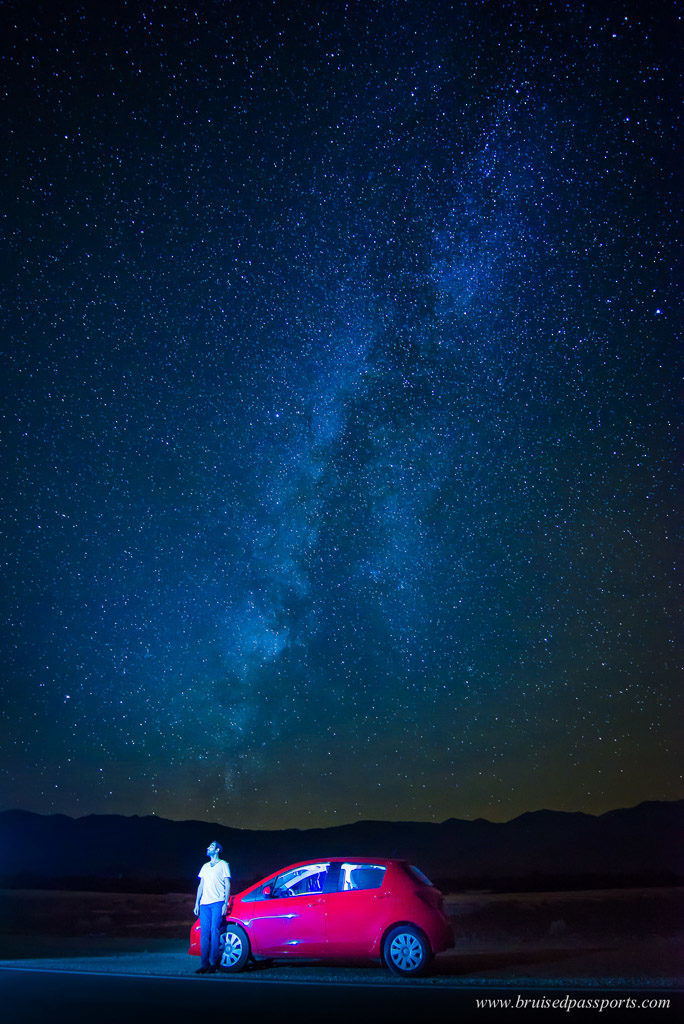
{"points": [[361, 876], [301, 881]]}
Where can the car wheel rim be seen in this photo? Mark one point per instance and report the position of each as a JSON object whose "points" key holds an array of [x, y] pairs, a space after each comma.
{"points": [[233, 950], [406, 952]]}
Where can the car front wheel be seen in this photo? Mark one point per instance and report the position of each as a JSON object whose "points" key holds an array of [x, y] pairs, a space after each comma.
{"points": [[406, 951], [236, 950]]}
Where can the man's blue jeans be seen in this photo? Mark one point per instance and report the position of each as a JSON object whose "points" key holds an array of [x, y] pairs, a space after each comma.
{"points": [[210, 919]]}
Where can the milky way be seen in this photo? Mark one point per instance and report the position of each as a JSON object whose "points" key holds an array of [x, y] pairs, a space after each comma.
{"points": [[337, 409]]}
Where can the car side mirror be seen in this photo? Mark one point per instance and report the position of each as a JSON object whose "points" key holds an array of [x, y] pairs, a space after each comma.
{"points": [[266, 891]]}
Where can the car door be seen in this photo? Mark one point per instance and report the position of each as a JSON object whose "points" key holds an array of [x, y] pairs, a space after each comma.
{"points": [[358, 910], [291, 921]]}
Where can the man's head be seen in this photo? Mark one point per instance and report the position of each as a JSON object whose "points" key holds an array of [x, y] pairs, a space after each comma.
{"points": [[214, 850]]}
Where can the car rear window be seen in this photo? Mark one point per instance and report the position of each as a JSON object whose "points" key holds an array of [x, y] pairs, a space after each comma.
{"points": [[418, 875], [361, 876]]}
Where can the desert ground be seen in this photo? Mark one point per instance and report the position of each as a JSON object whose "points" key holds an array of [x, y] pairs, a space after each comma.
{"points": [[617, 937]]}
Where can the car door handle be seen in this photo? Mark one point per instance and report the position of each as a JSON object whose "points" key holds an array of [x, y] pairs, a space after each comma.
{"points": [[381, 896], [315, 903]]}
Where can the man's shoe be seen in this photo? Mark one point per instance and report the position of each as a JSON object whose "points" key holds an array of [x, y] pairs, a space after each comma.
{"points": [[202, 970], [211, 970]]}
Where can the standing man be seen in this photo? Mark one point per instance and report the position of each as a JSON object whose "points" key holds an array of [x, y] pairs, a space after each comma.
{"points": [[211, 904]]}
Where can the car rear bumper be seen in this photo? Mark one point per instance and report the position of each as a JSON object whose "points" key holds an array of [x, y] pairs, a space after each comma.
{"points": [[444, 938]]}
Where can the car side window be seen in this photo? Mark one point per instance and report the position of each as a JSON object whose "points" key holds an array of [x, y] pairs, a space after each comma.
{"points": [[361, 876], [303, 881], [259, 893]]}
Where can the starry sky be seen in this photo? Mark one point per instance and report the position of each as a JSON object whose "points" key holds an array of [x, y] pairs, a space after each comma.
{"points": [[338, 407]]}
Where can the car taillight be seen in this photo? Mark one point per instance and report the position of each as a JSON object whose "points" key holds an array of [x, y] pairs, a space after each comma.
{"points": [[433, 899]]}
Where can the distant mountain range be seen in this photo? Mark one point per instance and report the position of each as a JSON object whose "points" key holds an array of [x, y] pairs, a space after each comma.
{"points": [[639, 845]]}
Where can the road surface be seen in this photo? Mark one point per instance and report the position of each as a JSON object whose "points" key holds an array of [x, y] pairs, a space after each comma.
{"points": [[33, 995], [160, 985]]}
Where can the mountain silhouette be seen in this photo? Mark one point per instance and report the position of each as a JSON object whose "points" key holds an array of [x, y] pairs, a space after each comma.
{"points": [[641, 845]]}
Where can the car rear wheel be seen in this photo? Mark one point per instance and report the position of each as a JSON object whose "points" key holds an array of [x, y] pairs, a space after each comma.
{"points": [[406, 951], [236, 950]]}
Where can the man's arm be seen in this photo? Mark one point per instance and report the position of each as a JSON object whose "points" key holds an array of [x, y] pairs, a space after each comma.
{"points": [[226, 883], [200, 888]]}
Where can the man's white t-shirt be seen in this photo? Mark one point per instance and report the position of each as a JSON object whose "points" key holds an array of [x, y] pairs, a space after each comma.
{"points": [[216, 879]]}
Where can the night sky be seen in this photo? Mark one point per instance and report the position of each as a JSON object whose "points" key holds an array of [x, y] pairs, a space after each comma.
{"points": [[338, 406]]}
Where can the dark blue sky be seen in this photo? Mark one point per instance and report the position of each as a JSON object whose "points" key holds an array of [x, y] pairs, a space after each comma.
{"points": [[337, 409]]}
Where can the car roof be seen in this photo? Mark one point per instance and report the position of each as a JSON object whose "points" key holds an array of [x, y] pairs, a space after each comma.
{"points": [[344, 860], [366, 860]]}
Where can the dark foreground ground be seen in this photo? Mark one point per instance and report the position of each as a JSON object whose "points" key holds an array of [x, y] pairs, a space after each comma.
{"points": [[29, 996], [72, 954]]}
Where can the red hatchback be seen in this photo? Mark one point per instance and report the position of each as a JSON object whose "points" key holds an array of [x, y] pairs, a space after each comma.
{"points": [[354, 908]]}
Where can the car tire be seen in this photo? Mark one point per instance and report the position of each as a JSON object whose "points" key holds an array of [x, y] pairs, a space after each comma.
{"points": [[236, 950], [406, 951]]}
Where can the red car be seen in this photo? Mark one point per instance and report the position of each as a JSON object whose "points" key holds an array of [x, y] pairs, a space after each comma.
{"points": [[354, 908]]}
